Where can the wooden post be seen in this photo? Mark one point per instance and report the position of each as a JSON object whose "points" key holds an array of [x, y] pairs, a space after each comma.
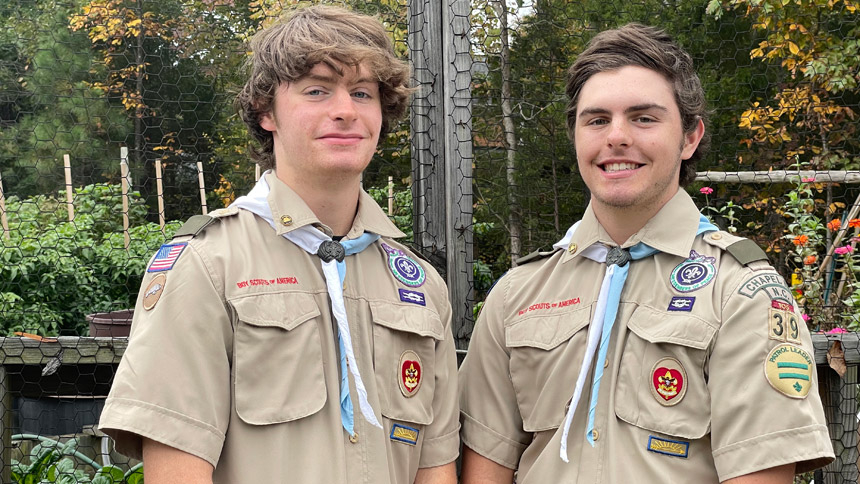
{"points": [[159, 193], [3, 219], [202, 187], [257, 173], [123, 169], [391, 196], [70, 198], [442, 148]]}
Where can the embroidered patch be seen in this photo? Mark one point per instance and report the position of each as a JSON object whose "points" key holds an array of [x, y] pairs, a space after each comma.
{"points": [[278, 281], [402, 433], [694, 273], [788, 369], [166, 257], [675, 448], [772, 285], [410, 373], [545, 305], [668, 381], [681, 303], [404, 268], [153, 291], [783, 325], [413, 297]]}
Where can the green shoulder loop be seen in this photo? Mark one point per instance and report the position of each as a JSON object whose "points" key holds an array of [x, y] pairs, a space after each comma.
{"points": [[197, 223], [538, 254], [746, 251]]}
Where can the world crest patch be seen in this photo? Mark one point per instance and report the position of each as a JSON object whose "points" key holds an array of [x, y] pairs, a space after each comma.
{"points": [[404, 268], [694, 273]]}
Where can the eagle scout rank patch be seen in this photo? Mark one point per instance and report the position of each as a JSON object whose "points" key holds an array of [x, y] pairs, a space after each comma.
{"points": [[788, 369], [402, 433], [166, 257], [675, 448], [410, 373], [668, 381], [153, 291], [404, 268], [694, 273]]}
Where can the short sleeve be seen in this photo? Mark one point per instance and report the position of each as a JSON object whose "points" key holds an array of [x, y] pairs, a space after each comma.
{"points": [[442, 440], [492, 424], [761, 366], [173, 383]]}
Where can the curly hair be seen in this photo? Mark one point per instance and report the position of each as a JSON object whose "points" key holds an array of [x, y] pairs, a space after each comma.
{"points": [[640, 45], [288, 50]]}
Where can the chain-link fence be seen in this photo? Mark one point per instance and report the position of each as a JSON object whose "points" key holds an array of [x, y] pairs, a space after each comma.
{"points": [[116, 123]]}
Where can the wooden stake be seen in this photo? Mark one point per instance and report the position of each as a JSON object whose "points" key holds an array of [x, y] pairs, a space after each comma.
{"points": [[160, 194], [390, 196], [3, 219], [202, 187], [70, 199], [123, 168], [257, 173]]}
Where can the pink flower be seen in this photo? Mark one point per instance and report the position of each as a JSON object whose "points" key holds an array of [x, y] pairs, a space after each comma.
{"points": [[706, 190], [808, 179], [805, 317], [845, 249], [837, 331]]}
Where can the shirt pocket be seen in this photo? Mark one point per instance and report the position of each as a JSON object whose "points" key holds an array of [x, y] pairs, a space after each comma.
{"points": [[662, 385], [546, 355], [404, 357], [277, 358]]}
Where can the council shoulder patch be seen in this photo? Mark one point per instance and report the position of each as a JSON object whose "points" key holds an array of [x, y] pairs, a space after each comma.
{"points": [[694, 273], [769, 283], [153, 291], [675, 448], [166, 257], [668, 381], [788, 369], [402, 433], [411, 373]]}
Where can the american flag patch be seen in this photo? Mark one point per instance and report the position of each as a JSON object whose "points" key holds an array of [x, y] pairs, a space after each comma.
{"points": [[166, 257]]}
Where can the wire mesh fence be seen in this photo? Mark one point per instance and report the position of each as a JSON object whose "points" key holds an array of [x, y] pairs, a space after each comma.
{"points": [[116, 123]]}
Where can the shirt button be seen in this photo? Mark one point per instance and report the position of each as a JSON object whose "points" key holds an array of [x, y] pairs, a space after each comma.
{"points": [[606, 363], [353, 438], [716, 236], [595, 435], [286, 220]]}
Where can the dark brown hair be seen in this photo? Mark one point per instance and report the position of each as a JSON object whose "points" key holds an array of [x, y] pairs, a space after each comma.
{"points": [[288, 50], [649, 47]]}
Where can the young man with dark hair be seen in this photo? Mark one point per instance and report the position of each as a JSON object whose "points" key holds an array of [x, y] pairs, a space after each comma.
{"points": [[289, 337], [649, 347]]}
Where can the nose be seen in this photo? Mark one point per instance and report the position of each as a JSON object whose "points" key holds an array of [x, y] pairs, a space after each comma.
{"points": [[342, 105], [619, 134]]}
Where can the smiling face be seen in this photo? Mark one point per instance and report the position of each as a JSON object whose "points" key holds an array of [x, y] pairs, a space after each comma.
{"points": [[325, 126], [629, 140]]}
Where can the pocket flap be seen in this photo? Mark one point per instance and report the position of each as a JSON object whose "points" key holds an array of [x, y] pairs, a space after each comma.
{"points": [[286, 310], [408, 318], [661, 327], [546, 331]]}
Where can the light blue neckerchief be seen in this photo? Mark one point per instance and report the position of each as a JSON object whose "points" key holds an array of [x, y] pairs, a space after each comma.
{"points": [[607, 306]]}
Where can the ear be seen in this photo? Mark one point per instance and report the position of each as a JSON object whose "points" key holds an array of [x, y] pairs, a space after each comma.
{"points": [[692, 139], [267, 122]]}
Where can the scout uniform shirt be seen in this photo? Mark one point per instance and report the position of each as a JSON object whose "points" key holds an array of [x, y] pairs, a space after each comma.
{"points": [[233, 355], [709, 373]]}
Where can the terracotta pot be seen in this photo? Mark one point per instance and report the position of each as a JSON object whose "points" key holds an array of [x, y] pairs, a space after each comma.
{"points": [[115, 324]]}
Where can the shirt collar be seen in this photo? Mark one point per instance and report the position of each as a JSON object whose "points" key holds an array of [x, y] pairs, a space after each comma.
{"points": [[290, 212], [672, 230]]}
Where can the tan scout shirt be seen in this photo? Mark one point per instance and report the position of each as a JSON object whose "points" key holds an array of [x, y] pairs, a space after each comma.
{"points": [[685, 396], [237, 362]]}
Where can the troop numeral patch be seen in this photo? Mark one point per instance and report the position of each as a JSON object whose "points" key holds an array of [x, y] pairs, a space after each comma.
{"points": [[784, 326]]}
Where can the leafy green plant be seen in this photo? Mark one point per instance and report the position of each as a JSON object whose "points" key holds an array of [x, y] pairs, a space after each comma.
{"points": [[52, 462]]}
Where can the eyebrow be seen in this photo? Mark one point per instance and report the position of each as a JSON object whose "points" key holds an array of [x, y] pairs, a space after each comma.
{"points": [[632, 109], [334, 78]]}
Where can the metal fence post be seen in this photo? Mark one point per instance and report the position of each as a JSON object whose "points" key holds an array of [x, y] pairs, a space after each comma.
{"points": [[442, 147]]}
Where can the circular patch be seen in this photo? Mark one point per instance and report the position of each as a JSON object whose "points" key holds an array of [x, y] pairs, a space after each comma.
{"points": [[788, 369], [411, 373], [153, 291], [694, 273], [406, 270], [668, 381]]}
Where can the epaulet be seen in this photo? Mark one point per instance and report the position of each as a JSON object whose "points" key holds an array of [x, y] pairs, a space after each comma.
{"points": [[198, 223], [538, 254], [745, 251]]}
